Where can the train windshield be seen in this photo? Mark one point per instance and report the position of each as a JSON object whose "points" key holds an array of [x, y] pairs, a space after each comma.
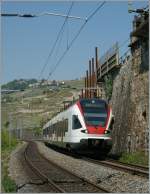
{"points": [[95, 112]]}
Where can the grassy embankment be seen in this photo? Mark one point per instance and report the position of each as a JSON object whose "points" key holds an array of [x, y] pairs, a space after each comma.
{"points": [[138, 158], [8, 185]]}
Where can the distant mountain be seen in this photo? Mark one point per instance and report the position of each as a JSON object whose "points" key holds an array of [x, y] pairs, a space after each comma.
{"points": [[20, 84]]}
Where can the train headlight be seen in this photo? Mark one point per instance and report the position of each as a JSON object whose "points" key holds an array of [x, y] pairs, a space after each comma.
{"points": [[107, 131], [84, 131]]}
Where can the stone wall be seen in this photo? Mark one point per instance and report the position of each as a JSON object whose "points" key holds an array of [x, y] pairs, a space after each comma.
{"points": [[130, 95], [130, 108]]}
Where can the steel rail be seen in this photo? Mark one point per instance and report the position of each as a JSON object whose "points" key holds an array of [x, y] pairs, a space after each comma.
{"points": [[132, 169], [146, 168], [76, 175], [46, 179], [40, 174]]}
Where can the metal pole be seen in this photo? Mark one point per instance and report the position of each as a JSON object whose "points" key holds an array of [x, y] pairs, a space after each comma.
{"points": [[96, 61], [90, 78], [93, 76], [87, 83], [85, 88]]}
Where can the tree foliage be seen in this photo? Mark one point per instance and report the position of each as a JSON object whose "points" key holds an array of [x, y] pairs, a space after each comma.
{"points": [[108, 86], [20, 84]]}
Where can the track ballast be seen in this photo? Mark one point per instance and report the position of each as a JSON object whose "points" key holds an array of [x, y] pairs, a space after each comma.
{"points": [[57, 177]]}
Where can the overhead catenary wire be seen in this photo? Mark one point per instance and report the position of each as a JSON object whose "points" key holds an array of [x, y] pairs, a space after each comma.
{"points": [[54, 45], [59, 44], [57, 38], [75, 37], [67, 34]]}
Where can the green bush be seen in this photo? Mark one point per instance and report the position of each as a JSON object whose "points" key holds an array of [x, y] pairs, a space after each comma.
{"points": [[8, 184], [134, 158]]}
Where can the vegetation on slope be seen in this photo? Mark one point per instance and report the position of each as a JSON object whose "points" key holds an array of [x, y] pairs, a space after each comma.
{"points": [[20, 84], [30, 107], [8, 185], [108, 86]]}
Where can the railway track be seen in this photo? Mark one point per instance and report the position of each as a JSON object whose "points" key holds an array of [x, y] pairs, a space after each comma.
{"points": [[130, 168], [58, 178]]}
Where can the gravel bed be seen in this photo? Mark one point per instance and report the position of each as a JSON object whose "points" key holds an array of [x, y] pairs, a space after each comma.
{"points": [[111, 179], [16, 171], [25, 179]]}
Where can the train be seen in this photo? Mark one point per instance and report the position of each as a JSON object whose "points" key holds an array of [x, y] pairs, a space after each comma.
{"points": [[84, 126]]}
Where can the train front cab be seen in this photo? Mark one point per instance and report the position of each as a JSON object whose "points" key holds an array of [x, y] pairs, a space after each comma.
{"points": [[95, 133]]}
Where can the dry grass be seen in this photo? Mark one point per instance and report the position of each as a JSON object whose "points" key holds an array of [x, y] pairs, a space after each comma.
{"points": [[35, 103]]}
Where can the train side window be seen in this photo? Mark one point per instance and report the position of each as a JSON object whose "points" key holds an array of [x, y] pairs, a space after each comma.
{"points": [[75, 122], [66, 125], [63, 127]]}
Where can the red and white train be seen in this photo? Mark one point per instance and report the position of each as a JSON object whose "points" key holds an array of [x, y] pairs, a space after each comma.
{"points": [[84, 126]]}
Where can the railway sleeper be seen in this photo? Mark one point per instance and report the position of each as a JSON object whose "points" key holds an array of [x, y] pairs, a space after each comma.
{"points": [[68, 181], [31, 183]]}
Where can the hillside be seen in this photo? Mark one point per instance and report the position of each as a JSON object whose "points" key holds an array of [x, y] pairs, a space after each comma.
{"points": [[20, 84], [32, 107]]}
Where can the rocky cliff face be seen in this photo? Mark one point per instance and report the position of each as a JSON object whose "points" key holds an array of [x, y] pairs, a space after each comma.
{"points": [[130, 93], [130, 108]]}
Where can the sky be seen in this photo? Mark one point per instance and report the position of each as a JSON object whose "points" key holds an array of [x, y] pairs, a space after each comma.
{"points": [[27, 42]]}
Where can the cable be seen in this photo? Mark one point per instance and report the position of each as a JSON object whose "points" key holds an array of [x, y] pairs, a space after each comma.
{"points": [[96, 10], [59, 45], [54, 45], [41, 14], [75, 37], [67, 34]]}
